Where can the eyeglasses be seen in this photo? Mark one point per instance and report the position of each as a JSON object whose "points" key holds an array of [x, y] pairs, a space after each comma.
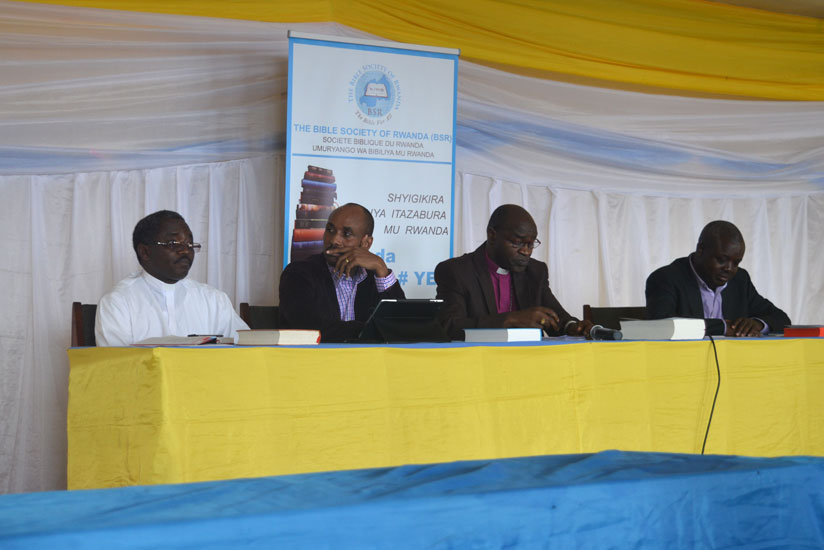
{"points": [[529, 245], [178, 246]]}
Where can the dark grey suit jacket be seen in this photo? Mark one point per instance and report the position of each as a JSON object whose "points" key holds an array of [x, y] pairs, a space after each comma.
{"points": [[308, 300], [469, 299], [672, 291]]}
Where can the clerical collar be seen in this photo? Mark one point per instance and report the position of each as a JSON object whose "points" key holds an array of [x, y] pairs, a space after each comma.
{"points": [[493, 267], [156, 283]]}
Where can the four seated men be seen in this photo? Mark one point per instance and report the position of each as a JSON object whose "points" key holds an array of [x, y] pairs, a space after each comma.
{"points": [[497, 285]]}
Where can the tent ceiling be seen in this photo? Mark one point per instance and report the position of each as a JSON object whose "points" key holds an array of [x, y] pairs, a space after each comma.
{"points": [[808, 8]]}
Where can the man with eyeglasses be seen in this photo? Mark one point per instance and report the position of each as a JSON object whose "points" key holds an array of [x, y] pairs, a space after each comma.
{"points": [[159, 300], [499, 285]]}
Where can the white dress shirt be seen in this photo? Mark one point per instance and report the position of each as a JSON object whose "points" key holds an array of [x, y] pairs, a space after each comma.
{"points": [[141, 307]]}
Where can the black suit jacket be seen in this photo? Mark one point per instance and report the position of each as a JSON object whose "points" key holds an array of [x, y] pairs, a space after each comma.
{"points": [[308, 300], [465, 287], [672, 291]]}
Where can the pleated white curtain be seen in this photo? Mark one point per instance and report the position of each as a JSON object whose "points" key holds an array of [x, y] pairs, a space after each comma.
{"points": [[106, 116], [601, 246]]}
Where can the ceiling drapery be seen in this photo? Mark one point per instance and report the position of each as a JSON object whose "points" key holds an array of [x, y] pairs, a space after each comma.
{"points": [[691, 46]]}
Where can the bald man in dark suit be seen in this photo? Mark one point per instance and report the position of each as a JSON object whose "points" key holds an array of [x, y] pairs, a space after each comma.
{"points": [[709, 285]]}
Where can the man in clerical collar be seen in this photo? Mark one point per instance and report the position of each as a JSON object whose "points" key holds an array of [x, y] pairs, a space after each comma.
{"points": [[500, 285], [335, 291], [709, 284], [159, 300]]}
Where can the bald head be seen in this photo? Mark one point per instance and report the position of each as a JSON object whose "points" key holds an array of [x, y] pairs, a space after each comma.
{"points": [[350, 225], [508, 215], [718, 231], [360, 211]]}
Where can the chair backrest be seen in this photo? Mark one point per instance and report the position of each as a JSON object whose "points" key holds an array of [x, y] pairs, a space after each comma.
{"points": [[610, 317], [83, 324], [259, 316]]}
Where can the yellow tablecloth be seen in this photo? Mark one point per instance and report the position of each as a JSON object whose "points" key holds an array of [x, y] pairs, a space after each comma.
{"points": [[172, 415]]}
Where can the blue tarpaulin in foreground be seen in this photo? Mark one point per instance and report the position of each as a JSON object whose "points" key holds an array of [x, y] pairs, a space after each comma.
{"points": [[607, 500]]}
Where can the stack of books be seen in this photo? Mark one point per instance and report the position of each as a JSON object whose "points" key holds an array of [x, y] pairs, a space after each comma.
{"points": [[317, 200]]}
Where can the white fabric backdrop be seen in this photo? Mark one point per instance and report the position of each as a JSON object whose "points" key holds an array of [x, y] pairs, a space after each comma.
{"points": [[106, 116]]}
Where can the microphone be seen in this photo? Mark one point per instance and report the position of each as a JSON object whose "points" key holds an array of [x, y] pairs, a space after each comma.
{"points": [[601, 333]]}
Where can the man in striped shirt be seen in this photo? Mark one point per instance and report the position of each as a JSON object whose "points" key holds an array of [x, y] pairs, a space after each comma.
{"points": [[335, 291]]}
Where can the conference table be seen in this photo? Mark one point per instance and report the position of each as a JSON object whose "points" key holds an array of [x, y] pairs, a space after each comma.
{"points": [[153, 415]]}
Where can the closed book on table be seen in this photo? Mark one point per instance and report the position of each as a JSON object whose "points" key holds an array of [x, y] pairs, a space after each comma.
{"points": [[273, 337], [503, 334], [672, 328], [193, 340], [804, 331]]}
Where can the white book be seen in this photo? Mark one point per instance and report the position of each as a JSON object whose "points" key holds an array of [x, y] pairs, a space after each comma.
{"points": [[274, 337], [672, 328], [172, 340], [503, 334]]}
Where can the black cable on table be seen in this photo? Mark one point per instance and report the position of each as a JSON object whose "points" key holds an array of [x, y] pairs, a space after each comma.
{"points": [[714, 399]]}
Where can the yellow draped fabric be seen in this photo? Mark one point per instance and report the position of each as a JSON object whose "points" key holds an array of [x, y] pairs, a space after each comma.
{"points": [[689, 45], [165, 415]]}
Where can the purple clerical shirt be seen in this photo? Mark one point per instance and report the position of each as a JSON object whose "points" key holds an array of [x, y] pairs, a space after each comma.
{"points": [[502, 285], [346, 288]]}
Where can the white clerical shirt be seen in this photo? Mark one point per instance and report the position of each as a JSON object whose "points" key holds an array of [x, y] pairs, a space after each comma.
{"points": [[141, 307]]}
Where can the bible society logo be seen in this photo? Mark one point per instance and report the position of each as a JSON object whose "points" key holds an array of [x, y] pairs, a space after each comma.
{"points": [[376, 92]]}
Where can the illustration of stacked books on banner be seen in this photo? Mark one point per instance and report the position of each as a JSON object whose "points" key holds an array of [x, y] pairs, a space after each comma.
{"points": [[317, 200]]}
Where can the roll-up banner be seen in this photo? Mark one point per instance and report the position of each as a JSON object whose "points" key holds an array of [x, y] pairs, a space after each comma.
{"points": [[373, 123]]}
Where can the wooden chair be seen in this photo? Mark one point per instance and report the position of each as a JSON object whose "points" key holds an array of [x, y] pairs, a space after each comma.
{"points": [[610, 317], [259, 316], [83, 324]]}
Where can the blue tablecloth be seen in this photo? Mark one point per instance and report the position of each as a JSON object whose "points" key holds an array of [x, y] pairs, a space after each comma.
{"points": [[606, 500]]}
